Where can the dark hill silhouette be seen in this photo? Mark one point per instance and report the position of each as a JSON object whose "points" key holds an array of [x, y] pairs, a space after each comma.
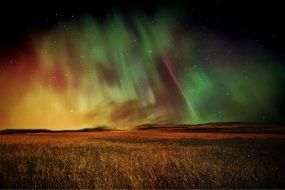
{"points": [[226, 127], [25, 131]]}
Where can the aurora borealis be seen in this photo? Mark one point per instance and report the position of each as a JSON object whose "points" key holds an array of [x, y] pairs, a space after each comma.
{"points": [[123, 71]]}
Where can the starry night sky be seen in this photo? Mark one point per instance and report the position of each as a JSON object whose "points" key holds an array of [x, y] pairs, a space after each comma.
{"points": [[71, 65]]}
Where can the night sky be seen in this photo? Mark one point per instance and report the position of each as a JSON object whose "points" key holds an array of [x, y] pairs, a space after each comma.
{"points": [[72, 65]]}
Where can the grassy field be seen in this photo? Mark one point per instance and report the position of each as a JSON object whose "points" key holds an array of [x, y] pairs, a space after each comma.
{"points": [[143, 159]]}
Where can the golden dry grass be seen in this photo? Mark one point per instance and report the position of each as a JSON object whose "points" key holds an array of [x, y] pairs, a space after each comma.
{"points": [[141, 160]]}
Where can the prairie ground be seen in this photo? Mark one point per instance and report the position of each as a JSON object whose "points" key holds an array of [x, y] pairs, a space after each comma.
{"points": [[142, 159]]}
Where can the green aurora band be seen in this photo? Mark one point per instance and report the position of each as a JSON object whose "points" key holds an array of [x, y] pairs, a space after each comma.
{"points": [[125, 71]]}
